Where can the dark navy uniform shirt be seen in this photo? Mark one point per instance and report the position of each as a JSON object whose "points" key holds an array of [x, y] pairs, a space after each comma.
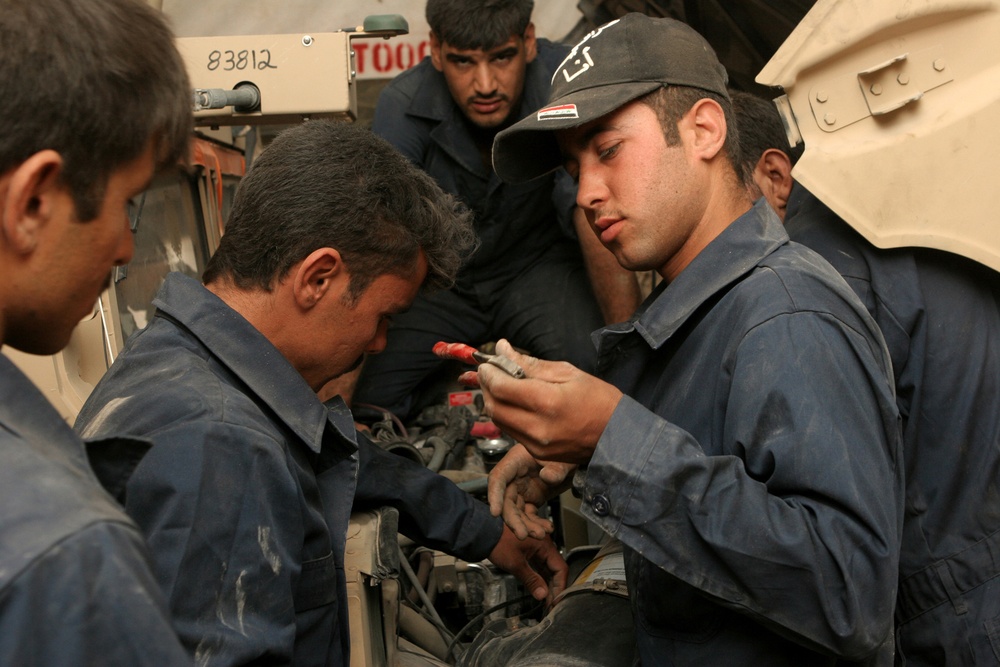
{"points": [[246, 493], [516, 223], [75, 581], [940, 314], [753, 468]]}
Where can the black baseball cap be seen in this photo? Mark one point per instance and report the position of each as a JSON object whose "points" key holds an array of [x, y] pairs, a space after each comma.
{"points": [[616, 63]]}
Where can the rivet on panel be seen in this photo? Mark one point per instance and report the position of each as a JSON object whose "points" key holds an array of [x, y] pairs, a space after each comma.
{"points": [[876, 89], [822, 96], [307, 40], [939, 65], [830, 119], [903, 79]]}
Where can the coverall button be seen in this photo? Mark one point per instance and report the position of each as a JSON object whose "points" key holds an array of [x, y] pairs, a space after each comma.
{"points": [[601, 505]]}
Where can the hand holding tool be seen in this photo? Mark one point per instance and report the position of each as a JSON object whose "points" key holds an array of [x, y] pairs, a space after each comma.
{"points": [[471, 355]]}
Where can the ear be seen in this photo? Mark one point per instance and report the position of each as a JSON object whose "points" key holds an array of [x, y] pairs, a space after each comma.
{"points": [[437, 59], [322, 274], [773, 174], [530, 44], [28, 195], [707, 121]]}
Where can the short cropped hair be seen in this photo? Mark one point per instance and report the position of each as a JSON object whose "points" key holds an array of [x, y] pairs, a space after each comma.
{"points": [[478, 24], [670, 103], [336, 184], [95, 81], [761, 128]]}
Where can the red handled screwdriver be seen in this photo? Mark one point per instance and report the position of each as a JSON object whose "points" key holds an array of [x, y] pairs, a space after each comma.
{"points": [[471, 355]]}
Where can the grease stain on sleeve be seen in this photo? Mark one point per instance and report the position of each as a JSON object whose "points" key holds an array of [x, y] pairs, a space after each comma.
{"points": [[264, 540]]}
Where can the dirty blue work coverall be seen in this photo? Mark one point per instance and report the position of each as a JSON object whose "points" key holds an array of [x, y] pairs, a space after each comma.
{"points": [[247, 490], [752, 468], [940, 315], [76, 586], [526, 282]]}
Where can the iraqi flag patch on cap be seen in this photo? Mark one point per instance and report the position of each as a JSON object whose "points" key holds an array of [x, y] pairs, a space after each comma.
{"points": [[561, 111]]}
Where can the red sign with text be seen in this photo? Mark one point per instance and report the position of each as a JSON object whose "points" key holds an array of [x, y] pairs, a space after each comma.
{"points": [[382, 59]]}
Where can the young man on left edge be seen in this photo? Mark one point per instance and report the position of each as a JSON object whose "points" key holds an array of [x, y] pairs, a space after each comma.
{"points": [[94, 100]]}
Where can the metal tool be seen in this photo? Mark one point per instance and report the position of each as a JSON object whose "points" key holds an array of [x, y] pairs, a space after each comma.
{"points": [[471, 355]]}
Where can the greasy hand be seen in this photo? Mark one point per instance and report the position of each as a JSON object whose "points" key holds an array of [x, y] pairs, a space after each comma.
{"points": [[534, 562], [519, 484], [557, 412]]}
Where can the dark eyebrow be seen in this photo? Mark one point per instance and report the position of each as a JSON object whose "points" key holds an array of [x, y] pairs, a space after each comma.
{"points": [[457, 57], [509, 52]]}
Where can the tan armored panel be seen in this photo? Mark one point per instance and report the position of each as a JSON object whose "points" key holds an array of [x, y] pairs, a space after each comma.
{"points": [[898, 105]]}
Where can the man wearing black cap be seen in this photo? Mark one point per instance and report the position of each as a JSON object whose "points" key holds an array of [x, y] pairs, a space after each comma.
{"points": [[742, 441]]}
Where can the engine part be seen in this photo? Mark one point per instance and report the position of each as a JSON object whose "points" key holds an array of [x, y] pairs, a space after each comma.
{"points": [[570, 634]]}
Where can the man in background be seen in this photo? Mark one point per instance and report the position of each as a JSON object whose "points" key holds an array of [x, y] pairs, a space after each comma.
{"points": [[527, 281], [767, 159], [940, 315], [247, 491]]}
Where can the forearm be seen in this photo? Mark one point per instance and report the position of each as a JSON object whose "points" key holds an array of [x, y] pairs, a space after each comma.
{"points": [[433, 510]]}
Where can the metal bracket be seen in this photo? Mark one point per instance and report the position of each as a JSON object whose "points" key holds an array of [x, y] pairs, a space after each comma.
{"points": [[120, 273], [791, 125], [607, 586], [883, 88]]}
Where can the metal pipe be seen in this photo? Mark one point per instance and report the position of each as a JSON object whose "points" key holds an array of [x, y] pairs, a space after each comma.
{"points": [[244, 98], [421, 593], [422, 632], [441, 449]]}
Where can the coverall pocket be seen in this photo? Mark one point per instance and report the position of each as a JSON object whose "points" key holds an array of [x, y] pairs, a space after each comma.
{"points": [[668, 607], [317, 584], [992, 627]]}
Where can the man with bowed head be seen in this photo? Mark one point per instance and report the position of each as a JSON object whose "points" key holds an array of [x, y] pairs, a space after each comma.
{"points": [[246, 493], [741, 436]]}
